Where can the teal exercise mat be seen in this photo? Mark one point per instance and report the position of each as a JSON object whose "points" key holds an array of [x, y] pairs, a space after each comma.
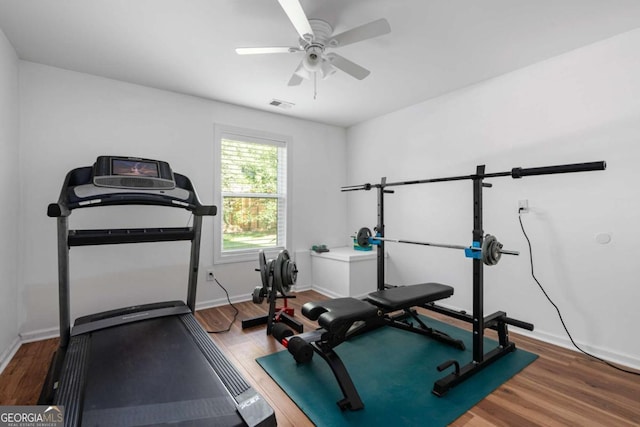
{"points": [[394, 372]]}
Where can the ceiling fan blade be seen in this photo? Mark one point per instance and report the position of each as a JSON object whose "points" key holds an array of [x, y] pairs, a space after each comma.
{"points": [[295, 80], [296, 15], [299, 74], [262, 50], [347, 66], [363, 32]]}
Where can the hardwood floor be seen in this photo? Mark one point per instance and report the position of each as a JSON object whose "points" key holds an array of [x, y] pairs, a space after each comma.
{"points": [[22, 379], [561, 387]]}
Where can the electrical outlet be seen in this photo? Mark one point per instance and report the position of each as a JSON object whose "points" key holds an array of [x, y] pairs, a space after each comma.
{"points": [[210, 276], [523, 206]]}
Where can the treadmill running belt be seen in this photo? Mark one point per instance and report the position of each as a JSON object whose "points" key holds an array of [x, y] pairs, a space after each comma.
{"points": [[151, 373]]}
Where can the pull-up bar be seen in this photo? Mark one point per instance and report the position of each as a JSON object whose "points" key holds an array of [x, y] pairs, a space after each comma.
{"points": [[514, 173]]}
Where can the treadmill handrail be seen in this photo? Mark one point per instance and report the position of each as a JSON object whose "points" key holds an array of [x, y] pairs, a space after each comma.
{"points": [[68, 200], [113, 236]]}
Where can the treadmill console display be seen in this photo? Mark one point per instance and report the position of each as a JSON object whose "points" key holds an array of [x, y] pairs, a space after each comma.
{"points": [[132, 173]]}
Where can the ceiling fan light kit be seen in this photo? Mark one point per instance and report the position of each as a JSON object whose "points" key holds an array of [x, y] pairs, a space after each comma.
{"points": [[312, 60], [316, 36]]}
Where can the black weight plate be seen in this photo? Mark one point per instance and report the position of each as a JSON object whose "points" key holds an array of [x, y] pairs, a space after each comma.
{"points": [[363, 237], [279, 272], [258, 295], [491, 250], [264, 270]]}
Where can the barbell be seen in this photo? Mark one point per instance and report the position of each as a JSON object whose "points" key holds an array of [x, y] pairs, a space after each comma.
{"points": [[489, 252]]}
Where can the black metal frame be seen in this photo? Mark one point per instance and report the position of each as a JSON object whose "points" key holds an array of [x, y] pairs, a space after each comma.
{"points": [[275, 315], [67, 238], [404, 320], [497, 321]]}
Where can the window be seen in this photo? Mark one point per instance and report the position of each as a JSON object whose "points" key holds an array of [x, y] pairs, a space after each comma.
{"points": [[252, 199]]}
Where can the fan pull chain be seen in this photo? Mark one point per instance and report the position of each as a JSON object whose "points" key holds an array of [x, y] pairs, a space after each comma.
{"points": [[315, 85]]}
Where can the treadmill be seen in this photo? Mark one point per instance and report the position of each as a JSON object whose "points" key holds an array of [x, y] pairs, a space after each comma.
{"points": [[145, 365]]}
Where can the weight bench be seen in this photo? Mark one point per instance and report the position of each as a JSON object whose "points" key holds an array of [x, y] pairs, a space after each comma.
{"points": [[342, 318], [404, 299]]}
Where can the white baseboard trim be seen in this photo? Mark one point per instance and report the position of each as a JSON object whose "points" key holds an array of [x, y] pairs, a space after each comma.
{"points": [[300, 288], [327, 292], [39, 335], [561, 341], [203, 305], [8, 354], [332, 294]]}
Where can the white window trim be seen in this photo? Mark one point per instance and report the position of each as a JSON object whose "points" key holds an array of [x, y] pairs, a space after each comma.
{"points": [[247, 135]]}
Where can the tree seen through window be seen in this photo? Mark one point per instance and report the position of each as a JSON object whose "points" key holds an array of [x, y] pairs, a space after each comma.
{"points": [[252, 184]]}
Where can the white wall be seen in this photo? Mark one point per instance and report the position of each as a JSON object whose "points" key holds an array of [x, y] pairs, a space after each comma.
{"points": [[579, 107], [9, 194], [68, 119]]}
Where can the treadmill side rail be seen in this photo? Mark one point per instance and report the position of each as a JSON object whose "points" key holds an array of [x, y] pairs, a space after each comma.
{"points": [[255, 411], [73, 377]]}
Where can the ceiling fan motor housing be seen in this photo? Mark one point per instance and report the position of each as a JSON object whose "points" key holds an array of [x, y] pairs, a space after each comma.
{"points": [[322, 30]]}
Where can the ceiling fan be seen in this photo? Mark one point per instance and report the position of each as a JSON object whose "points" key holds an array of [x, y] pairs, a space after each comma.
{"points": [[316, 36]]}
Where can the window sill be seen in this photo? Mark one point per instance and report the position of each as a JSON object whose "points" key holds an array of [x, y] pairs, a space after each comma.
{"points": [[246, 255]]}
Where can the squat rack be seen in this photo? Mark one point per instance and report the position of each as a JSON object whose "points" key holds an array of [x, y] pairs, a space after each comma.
{"points": [[498, 320]]}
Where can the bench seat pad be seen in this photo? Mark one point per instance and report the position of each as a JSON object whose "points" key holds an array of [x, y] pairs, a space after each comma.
{"points": [[409, 296]]}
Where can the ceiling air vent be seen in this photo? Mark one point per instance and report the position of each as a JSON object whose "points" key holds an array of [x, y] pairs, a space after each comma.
{"points": [[281, 104]]}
